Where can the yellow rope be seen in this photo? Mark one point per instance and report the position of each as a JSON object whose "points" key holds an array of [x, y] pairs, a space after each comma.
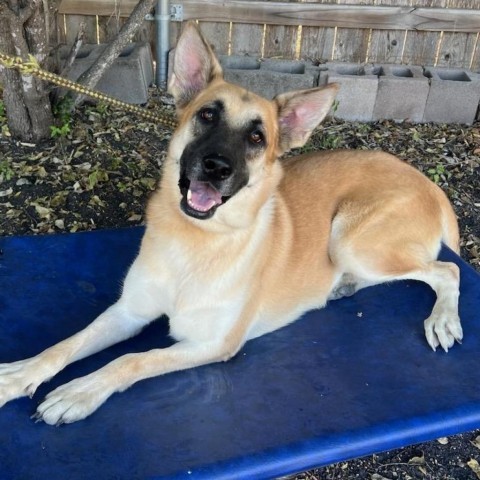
{"points": [[31, 67]]}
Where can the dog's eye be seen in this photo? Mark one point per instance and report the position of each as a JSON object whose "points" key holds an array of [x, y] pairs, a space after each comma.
{"points": [[256, 137], [208, 115]]}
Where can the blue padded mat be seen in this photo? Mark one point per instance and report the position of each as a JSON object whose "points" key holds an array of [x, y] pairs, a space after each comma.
{"points": [[354, 378]]}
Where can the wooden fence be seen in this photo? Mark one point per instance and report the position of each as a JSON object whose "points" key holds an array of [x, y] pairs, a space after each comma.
{"points": [[415, 32]]}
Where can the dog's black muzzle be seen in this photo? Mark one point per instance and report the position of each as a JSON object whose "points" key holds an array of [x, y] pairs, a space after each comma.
{"points": [[208, 181]]}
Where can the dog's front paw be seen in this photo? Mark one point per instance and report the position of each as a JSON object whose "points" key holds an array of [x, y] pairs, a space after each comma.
{"points": [[73, 401], [442, 329], [22, 378]]}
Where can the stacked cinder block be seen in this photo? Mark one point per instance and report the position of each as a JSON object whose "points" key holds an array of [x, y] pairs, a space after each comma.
{"points": [[368, 92], [358, 90], [269, 77], [402, 93], [127, 79], [453, 97]]}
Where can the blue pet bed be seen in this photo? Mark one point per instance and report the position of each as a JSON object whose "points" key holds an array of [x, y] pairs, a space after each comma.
{"points": [[354, 378]]}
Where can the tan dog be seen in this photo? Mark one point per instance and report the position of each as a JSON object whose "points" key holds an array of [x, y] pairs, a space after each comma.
{"points": [[239, 243]]}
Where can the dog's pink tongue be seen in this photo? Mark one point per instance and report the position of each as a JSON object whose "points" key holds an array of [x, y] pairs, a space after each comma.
{"points": [[202, 197]]}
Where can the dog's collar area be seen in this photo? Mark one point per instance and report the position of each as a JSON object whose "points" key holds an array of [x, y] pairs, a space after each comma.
{"points": [[199, 199]]}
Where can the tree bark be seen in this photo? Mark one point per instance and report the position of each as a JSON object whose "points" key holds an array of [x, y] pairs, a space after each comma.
{"points": [[92, 76], [22, 31]]}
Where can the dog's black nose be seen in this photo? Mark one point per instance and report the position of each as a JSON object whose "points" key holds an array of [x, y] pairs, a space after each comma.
{"points": [[217, 167]]}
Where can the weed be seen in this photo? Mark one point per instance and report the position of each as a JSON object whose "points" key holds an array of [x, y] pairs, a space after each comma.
{"points": [[6, 171], [335, 105], [96, 176], [438, 173], [62, 111], [3, 113], [60, 132], [329, 142]]}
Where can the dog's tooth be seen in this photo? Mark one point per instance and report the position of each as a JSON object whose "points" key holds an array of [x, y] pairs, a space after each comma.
{"points": [[189, 194]]}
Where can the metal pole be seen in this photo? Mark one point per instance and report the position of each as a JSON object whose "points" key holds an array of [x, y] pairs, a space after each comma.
{"points": [[162, 19]]}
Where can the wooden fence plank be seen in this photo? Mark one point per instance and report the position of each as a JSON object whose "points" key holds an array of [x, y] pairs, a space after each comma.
{"points": [[280, 41], [72, 23], [97, 7], [351, 45], [317, 44], [475, 62], [247, 39], [217, 35], [109, 26], [421, 48], [306, 14], [456, 50], [386, 46]]}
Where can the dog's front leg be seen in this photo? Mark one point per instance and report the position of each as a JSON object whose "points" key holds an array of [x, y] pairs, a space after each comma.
{"points": [[22, 378], [82, 396]]}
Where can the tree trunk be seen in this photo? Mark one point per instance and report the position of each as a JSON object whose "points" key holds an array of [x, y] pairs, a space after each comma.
{"points": [[91, 77], [22, 31]]}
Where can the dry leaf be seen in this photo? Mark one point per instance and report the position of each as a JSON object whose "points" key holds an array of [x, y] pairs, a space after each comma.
{"points": [[476, 442], [376, 476], [473, 464], [442, 440], [417, 460]]}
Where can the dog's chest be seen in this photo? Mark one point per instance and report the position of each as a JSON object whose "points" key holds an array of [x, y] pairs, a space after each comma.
{"points": [[201, 294]]}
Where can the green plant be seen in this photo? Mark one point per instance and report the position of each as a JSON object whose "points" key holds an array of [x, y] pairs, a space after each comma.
{"points": [[60, 132], [6, 171], [3, 114], [102, 108], [438, 173], [62, 111], [96, 176], [335, 105], [329, 142]]}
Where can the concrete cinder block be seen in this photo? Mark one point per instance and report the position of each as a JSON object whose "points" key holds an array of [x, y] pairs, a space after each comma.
{"points": [[269, 78], [358, 90], [127, 79], [453, 97], [402, 93]]}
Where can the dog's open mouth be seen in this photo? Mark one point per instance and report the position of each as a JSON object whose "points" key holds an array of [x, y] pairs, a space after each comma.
{"points": [[199, 199]]}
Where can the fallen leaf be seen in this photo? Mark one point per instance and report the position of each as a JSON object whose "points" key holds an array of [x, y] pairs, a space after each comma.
{"points": [[475, 467], [417, 460], [376, 476], [476, 442], [442, 440]]}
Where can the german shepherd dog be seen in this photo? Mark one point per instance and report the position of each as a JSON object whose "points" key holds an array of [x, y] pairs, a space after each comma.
{"points": [[240, 243]]}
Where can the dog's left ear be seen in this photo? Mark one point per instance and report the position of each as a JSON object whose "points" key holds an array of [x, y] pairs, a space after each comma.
{"points": [[194, 66], [299, 113]]}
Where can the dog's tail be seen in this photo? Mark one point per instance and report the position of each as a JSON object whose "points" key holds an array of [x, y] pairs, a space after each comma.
{"points": [[450, 232]]}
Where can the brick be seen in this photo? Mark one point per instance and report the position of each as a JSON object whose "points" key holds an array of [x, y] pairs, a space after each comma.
{"points": [[453, 97], [402, 93], [358, 90], [127, 79]]}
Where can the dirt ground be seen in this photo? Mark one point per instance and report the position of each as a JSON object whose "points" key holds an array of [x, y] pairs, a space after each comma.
{"points": [[100, 169]]}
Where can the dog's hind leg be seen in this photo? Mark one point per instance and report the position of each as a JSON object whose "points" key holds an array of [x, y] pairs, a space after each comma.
{"points": [[380, 263], [373, 246]]}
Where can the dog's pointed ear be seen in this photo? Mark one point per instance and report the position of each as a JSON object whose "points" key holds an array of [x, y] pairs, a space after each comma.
{"points": [[194, 66], [299, 113]]}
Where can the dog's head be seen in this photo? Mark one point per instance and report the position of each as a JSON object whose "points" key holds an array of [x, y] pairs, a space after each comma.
{"points": [[226, 147]]}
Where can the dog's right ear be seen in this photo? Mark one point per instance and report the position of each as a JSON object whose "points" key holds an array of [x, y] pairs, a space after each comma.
{"points": [[194, 66]]}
